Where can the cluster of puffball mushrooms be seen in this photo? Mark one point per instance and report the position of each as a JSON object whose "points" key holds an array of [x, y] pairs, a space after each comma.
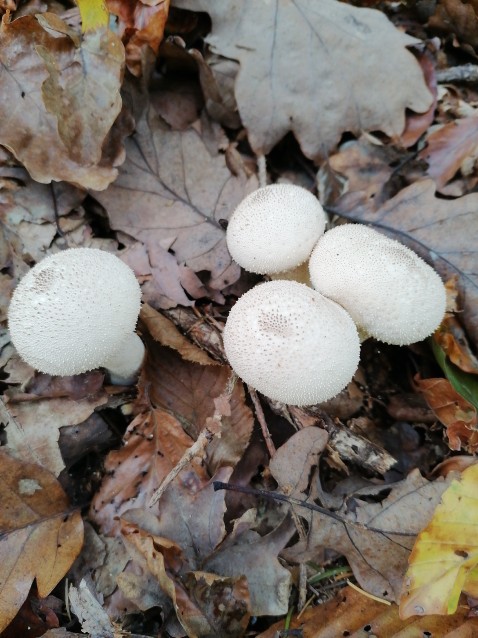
{"points": [[300, 344], [77, 310]]}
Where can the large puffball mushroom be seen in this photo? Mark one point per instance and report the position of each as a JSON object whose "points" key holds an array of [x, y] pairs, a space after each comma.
{"points": [[275, 228], [76, 311], [387, 289], [291, 343]]}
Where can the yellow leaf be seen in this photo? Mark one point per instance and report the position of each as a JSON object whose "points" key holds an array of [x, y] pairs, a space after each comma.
{"points": [[94, 15], [444, 560]]}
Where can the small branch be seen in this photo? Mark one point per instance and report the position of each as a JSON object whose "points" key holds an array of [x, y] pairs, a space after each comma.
{"points": [[462, 73], [262, 421]]}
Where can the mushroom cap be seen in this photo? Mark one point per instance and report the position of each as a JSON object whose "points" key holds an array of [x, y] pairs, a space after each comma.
{"points": [[387, 289], [275, 228], [73, 310], [291, 343]]}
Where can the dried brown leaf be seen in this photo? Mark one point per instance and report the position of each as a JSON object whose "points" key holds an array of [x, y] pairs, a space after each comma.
{"points": [[449, 147], [452, 339], [182, 191], [245, 553], [65, 98], [35, 515], [165, 332], [378, 559], [351, 613], [359, 60], [140, 24], [458, 17], [33, 427], [457, 415]]}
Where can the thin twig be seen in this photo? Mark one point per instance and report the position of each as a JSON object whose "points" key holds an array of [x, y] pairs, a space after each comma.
{"points": [[262, 421]]}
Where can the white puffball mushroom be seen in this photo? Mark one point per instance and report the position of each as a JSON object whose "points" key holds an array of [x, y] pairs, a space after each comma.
{"points": [[291, 343], [275, 228], [388, 290], [76, 311]]}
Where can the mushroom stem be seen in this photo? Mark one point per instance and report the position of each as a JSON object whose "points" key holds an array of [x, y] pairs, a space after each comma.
{"points": [[123, 366]]}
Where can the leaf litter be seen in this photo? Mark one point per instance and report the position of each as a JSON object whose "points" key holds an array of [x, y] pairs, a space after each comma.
{"points": [[197, 530]]}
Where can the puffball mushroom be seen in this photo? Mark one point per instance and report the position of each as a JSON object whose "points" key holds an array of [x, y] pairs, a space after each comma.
{"points": [[291, 343], [388, 290], [75, 311], [275, 228]]}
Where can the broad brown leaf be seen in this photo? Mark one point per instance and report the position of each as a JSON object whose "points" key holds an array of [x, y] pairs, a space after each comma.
{"points": [[458, 17], [378, 559], [40, 536], [59, 98], [443, 231], [316, 69], [182, 191]]}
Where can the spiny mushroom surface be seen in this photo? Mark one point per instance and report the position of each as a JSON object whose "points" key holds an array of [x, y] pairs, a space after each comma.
{"points": [[275, 228], [388, 290], [74, 310], [291, 343]]}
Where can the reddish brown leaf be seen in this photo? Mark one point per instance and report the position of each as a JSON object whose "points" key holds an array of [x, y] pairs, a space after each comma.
{"points": [[41, 537], [449, 147], [452, 339], [458, 17], [140, 24], [457, 415]]}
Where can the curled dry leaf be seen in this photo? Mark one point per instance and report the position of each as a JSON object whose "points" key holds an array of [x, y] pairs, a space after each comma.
{"points": [[459, 18], [140, 24], [457, 415], [277, 45], [35, 515], [451, 337], [59, 98]]}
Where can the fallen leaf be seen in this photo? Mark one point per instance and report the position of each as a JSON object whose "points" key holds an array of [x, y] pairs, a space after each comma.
{"points": [[457, 415], [182, 191], [445, 553], [458, 17], [65, 98], [188, 391], [351, 613], [165, 332], [441, 230], [451, 338], [153, 444], [377, 558], [245, 553], [140, 24], [33, 427], [449, 147], [89, 611], [35, 514], [358, 57], [94, 15]]}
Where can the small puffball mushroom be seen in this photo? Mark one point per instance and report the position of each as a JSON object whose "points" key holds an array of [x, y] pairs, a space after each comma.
{"points": [[275, 228], [291, 343], [387, 289], [76, 311]]}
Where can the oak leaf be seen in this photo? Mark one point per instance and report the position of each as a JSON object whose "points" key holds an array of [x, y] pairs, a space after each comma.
{"points": [[40, 535], [316, 69]]}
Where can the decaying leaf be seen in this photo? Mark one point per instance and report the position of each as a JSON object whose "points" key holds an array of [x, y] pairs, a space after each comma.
{"points": [[59, 98], [351, 613], [451, 337], [442, 230], [455, 412], [316, 69], [182, 191], [89, 611], [458, 17], [445, 555], [40, 535], [33, 426], [378, 558]]}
